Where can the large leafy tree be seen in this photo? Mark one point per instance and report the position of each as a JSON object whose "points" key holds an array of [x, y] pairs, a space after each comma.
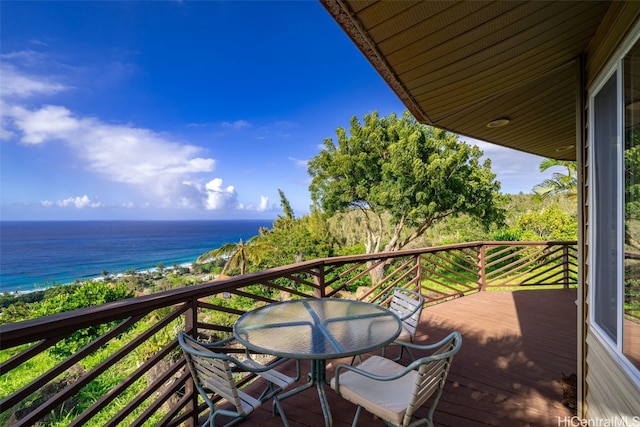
{"points": [[414, 175]]}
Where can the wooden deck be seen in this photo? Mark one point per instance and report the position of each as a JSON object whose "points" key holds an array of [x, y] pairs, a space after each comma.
{"points": [[515, 348]]}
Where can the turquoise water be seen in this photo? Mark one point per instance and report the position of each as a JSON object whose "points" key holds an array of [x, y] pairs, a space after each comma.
{"points": [[37, 254]]}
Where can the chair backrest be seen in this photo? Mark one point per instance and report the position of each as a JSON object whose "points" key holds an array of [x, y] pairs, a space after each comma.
{"points": [[432, 373], [211, 372], [407, 305]]}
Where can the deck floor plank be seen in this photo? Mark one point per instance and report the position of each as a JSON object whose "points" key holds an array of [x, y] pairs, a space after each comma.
{"points": [[516, 346]]}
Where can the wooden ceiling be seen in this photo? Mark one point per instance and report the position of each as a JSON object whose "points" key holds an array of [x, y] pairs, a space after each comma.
{"points": [[459, 65]]}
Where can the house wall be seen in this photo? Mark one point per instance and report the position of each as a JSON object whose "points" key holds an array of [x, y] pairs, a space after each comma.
{"points": [[608, 392], [611, 394]]}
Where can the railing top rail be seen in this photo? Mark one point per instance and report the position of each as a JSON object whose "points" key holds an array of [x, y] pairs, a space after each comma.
{"points": [[409, 252], [632, 255]]}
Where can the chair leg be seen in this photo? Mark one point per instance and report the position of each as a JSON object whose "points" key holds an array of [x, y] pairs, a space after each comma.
{"points": [[402, 350], [356, 416], [264, 396], [277, 407], [409, 352], [399, 358], [432, 410]]}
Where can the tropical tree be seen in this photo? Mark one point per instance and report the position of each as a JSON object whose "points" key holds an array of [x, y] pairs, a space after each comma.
{"points": [[239, 255], [559, 183], [415, 175], [286, 206]]}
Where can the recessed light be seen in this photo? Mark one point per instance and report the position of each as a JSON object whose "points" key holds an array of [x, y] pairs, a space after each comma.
{"points": [[565, 148], [498, 122]]}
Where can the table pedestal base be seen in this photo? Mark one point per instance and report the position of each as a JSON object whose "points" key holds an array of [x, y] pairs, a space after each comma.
{"points": [[317, 376]]}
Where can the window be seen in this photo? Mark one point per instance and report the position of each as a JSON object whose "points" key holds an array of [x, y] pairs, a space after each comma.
{"points": [[615, 186]]}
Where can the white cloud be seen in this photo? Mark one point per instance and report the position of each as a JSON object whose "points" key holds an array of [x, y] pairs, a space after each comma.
{"points": [[38, 42], [264, 204], [516, 170], [238, 124], [299, 163], [166, 171], [219, 198], [20, 85], [79, 202], [49, 122], [122, 153]]}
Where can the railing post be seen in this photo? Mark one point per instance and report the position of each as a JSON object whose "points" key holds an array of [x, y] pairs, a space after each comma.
{"points": [[319, 279], [565, 264], [190, 326], [418, 275], [482, 276]]}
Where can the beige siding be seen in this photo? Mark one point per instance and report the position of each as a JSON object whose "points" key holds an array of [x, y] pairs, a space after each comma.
{"points": [[608, 392], [611, 393]]}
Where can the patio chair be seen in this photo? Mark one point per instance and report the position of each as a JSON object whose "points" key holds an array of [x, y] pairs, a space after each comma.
{"points": [[393, 392], [407, 305], [213, 373]]}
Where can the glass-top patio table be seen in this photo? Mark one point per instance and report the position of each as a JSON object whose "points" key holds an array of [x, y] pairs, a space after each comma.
{"points": [[317, 329]]}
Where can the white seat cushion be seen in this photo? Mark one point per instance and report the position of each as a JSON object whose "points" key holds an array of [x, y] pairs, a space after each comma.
{"points": [[386, 399]]}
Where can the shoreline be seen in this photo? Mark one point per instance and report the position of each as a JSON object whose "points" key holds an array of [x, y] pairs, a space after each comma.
{"points": [[99, 278]]}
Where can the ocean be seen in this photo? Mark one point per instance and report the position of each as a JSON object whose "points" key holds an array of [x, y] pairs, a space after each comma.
{"points": [[38, 254]]}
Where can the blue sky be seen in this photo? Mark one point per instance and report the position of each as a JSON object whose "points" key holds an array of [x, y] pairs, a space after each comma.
{"points": [[180, 110]]}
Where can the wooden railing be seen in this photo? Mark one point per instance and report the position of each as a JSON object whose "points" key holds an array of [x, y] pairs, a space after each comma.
{"points": [[136, 365], [632, 286]]}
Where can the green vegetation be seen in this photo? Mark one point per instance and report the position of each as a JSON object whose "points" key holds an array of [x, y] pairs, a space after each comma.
{"points": [[60, 299]]}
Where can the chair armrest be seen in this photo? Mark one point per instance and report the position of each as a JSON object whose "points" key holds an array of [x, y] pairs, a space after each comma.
{"points": [[454, 337], [243, 366], [255, 366], [250, 365], [222, 344]]}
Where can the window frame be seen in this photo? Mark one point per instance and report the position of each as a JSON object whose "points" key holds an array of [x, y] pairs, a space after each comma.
{"points": [[613, 68]]}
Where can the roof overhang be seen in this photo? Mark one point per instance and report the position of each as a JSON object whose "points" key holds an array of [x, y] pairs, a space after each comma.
{"points": [[460, 65]]}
